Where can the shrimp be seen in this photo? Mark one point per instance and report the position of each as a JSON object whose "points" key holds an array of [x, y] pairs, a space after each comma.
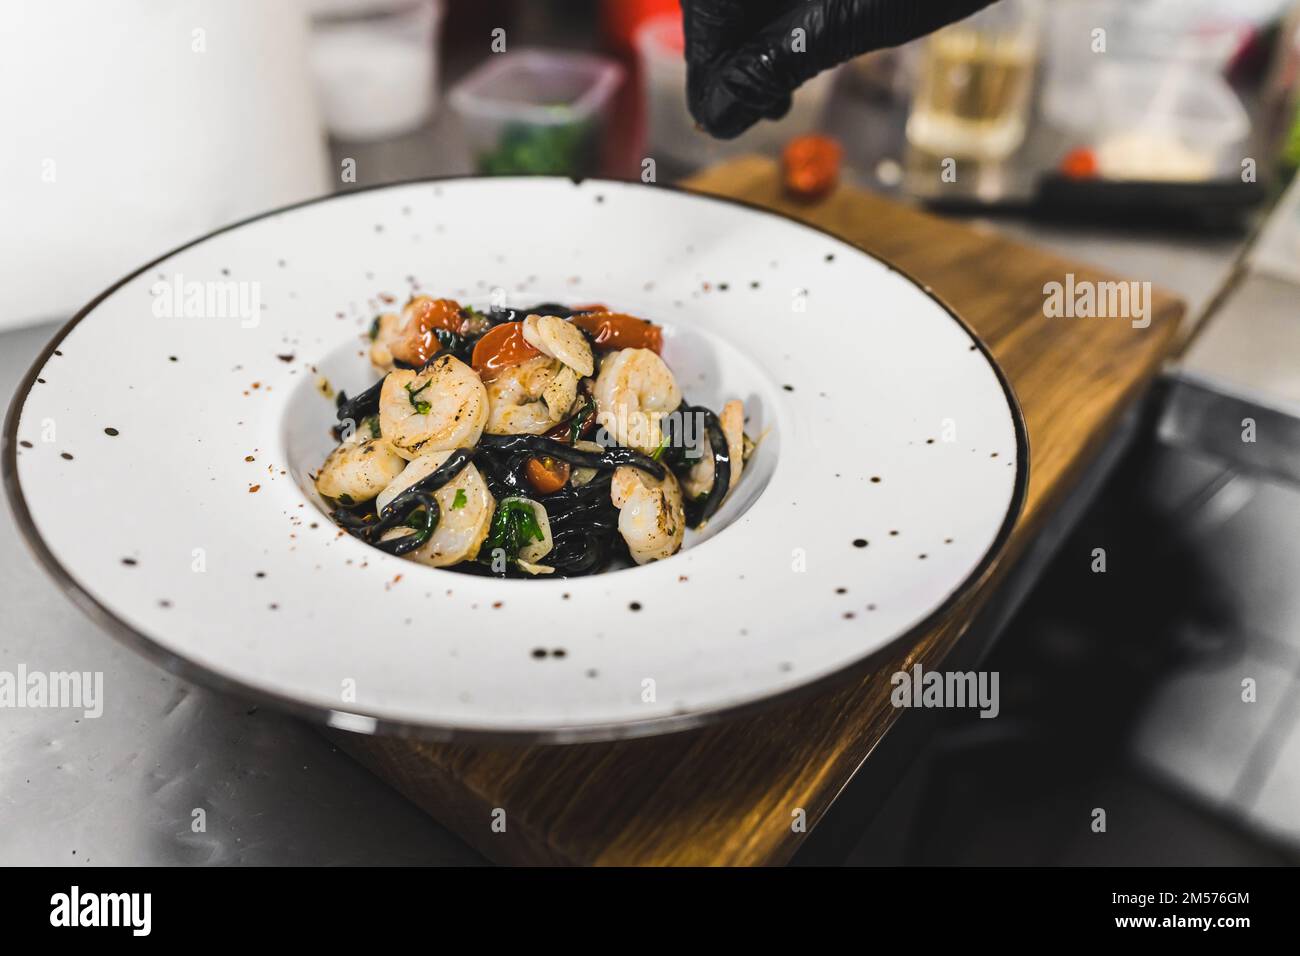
{"points": [[383, 336], [699, 480], [411, 338], [365, 429], [531, 397], [357, 471], [633, 392], [558, 339], [439, 408], [465, 511], [651, 517]]}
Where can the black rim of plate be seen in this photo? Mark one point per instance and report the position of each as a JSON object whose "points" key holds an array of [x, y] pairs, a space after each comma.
{"points": [[370, 724]]}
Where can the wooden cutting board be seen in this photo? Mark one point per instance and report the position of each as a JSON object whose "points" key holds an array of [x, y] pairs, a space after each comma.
{"points": [[727, 794]]}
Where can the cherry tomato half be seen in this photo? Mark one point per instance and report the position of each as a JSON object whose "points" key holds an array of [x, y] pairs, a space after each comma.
{"points": [[616, 330], [811, 165], [546, 475], [416, 343], [1079, 163], [502, 346]]}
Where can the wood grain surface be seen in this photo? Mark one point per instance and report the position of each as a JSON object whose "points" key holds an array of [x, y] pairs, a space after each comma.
{"points": [[725, 795]]}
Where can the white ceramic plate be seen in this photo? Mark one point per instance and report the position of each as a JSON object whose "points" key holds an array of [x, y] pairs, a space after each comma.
{"points": [[159, 464]]}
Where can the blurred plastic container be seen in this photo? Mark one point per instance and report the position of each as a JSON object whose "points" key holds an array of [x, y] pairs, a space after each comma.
{"points": [[671, 129], [1167, 122], [1082, 35], [376, 64], [537, 112]]}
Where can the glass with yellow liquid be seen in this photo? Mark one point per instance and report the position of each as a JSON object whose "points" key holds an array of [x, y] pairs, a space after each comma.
{"points": [[976, 78]]}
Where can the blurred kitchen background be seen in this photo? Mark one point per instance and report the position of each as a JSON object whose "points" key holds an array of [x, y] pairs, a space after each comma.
{"points": [[1157, 139]]}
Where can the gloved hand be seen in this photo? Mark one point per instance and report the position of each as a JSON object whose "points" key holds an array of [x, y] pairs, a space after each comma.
{"points": [[742, 62]]}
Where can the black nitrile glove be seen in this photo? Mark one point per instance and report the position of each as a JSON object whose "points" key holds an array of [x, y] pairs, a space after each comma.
{"points": [[741, 61]]}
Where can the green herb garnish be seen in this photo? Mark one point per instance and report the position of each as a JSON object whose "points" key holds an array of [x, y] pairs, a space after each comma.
{"points": [[459, 345], [373, 423], [513, 526], [460, 500], [374, 328], [581, 419], [419, 405]]}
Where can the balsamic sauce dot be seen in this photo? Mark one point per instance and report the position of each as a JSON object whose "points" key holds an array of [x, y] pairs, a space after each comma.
{"points": [[788, 388], [859, 542], [164, 603], [841, 590], [539, 653], [875, 479], [111, 432], [260, 574], [25, 443], [64, 455], [130, 562], [593, 673], [559, 652], [635, 606], [172, 358]]}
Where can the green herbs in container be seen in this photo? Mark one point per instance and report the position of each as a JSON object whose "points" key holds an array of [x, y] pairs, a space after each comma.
{"points": [[537, 112]]}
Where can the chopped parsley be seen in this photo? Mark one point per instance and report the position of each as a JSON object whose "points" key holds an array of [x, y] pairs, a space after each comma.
{"points": [[374, 328], [419, 405], [460, 500]]}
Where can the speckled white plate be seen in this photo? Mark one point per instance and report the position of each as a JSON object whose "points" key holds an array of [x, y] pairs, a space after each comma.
{"points": [[158, 455]]}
